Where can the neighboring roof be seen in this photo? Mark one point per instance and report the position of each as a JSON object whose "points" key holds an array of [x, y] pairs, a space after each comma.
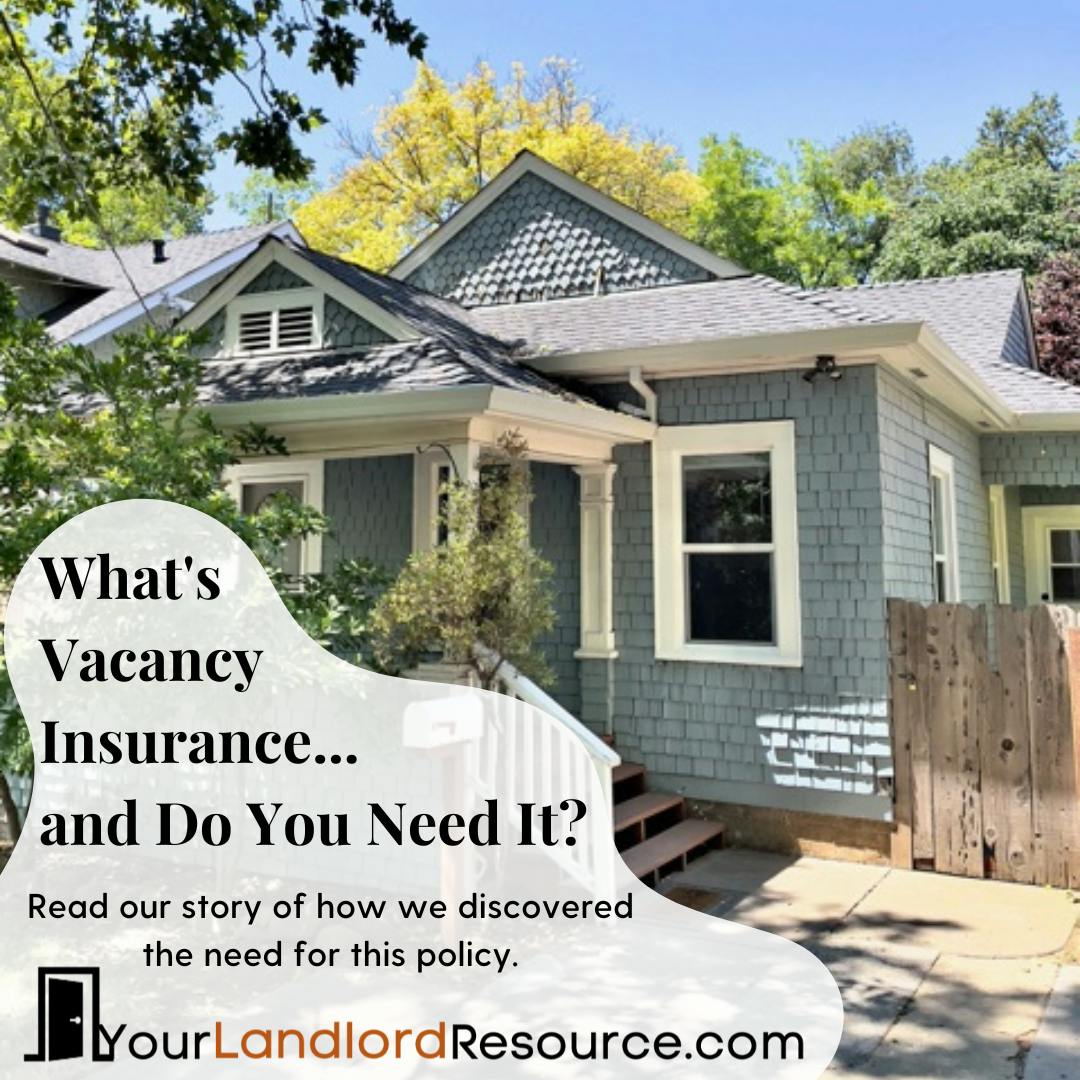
{"points": [[527, 162], [673, 315], [189, 260], [973, 313], [424, 364]]}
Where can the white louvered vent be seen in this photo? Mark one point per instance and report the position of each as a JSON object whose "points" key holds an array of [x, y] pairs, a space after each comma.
{"points": [[295, 327], [266, 329], [256, 331]]}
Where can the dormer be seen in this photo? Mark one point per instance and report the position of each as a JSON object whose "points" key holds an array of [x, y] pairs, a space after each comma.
{"points": [[279, 302]]}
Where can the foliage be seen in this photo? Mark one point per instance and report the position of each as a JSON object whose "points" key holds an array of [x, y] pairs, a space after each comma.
{"points": [[1012, 201], [438, 145], [811, 223], [1056, 312], [80, 430], [137, 88], [123, 215], [263, 198], [485, 585]]}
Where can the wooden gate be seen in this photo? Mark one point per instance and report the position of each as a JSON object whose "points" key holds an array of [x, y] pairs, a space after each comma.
{"points": [[985, 741]]}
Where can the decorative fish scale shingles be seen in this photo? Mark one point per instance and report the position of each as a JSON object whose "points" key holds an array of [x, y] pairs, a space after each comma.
{"points": [[273, 278], [344, 329], [537, 242]]}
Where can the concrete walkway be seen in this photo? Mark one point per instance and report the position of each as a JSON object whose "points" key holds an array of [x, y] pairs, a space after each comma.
{"points": [[941, 976]]}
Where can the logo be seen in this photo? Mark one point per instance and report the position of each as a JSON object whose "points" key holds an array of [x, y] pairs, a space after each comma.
{"points": [[69, 1015]]}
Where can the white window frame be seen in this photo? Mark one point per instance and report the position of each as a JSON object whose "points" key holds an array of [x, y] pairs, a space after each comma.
{"points": [[273, 301], [310, 472], [999, 543], [1039, 522], [427, 466], [670, 446], [942, 469]]}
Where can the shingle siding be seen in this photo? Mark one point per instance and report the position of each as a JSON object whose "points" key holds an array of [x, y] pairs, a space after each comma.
{"points": [[555, 527], [369, 503], [537, 241], [1017, 347], [274, 278], [811, 738], [908, 423], [1032, 458], [344, 329]]}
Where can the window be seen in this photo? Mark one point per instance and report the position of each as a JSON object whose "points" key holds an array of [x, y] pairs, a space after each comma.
{"points": [[999, 545], [943, 527], [275, 321], [726, 545], [252, 485], [1052, 553]]}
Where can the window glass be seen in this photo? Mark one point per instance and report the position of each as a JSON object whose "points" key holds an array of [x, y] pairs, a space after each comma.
{"points": [[937, 511], [727, 499], [1065, 565], [253, 498], [730, 597]]}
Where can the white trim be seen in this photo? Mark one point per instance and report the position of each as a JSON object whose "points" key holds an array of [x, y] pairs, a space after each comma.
{"points": [[597, 559], [311, 474], [941, 468], [671, 445], [527, 162], [272, 250], [1038, 523], [999, 542], [119, 319], [426, 466]]}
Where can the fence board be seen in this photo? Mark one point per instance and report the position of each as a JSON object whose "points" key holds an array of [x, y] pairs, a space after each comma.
{"points": [[987, 770], [1005, 753], [903, 688], [957, 828]]}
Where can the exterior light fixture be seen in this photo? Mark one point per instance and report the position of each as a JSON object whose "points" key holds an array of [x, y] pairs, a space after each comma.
{"points": [[824, 365]]}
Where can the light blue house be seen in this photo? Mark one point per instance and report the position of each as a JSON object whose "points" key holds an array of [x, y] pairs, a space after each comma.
{"points": [[732, 476]]}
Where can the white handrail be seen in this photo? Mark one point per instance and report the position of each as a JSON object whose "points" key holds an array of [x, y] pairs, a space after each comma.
{"points": [[523, 688]]}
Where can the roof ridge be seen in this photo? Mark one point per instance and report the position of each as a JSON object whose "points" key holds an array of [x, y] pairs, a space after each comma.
{"points": [[907, 282]]}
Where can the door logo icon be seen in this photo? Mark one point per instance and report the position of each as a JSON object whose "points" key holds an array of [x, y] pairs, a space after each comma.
{"points": [[69, 1015]]}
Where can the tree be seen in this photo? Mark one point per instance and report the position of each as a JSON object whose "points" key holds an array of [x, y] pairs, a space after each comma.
{"points": [[433, 149], [966, 220], [805, 223], [263, 198], [1056, 313], [138, 89], [80, 430], [1011, 202], [133, 217], [485, 586]]}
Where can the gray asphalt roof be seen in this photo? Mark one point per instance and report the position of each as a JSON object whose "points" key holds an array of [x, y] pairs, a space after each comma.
{"points": [[423, 364], [101, 269], [668, 315]]}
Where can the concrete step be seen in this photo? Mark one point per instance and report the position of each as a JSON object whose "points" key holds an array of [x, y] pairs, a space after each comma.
{"points": [[640, 808], [672, 846]]}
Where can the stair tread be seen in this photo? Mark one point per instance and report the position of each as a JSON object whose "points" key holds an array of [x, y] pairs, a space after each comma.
{"points": [[631, 811], [626, 770], [668, 845]]}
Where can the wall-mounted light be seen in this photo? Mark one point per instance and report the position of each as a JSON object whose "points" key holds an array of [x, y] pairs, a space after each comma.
{"points": [[824, 365]]}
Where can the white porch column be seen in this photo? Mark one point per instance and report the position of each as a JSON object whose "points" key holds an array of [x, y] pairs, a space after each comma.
{"points": [[597, 513]]}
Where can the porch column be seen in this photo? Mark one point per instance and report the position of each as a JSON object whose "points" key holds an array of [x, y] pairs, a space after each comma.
{"points": [[597, 513], [430, 468]]}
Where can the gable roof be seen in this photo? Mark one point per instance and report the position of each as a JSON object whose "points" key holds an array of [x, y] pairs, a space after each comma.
{"points": [[527, 163], [190, 260]]}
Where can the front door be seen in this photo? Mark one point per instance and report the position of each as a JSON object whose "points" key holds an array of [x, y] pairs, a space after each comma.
{"points": [[65, 1019]]}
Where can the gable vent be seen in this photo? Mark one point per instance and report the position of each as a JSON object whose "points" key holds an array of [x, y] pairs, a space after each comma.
{"points": [[256, 331], [296, 327], [266, 329]]}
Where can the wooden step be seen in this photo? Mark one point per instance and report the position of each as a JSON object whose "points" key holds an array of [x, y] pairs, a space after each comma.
{"points": [[671, 845], [634, 811], [626, 771]]}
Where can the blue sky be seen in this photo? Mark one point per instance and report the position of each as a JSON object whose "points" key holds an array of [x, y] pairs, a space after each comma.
{"points": [[769, 71]]}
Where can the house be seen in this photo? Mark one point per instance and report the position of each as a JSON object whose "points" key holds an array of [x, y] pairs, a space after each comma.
{"points": [[732, 475]]}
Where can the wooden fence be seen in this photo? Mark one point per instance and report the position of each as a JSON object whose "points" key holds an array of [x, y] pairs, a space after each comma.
{"points": [[985, 741]]}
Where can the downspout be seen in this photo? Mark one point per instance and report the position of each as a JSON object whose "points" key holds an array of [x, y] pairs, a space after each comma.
{"points": [[646, 392]]}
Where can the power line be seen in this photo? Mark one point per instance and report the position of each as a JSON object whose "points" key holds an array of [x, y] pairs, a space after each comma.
{"points": [[75, 168]]}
